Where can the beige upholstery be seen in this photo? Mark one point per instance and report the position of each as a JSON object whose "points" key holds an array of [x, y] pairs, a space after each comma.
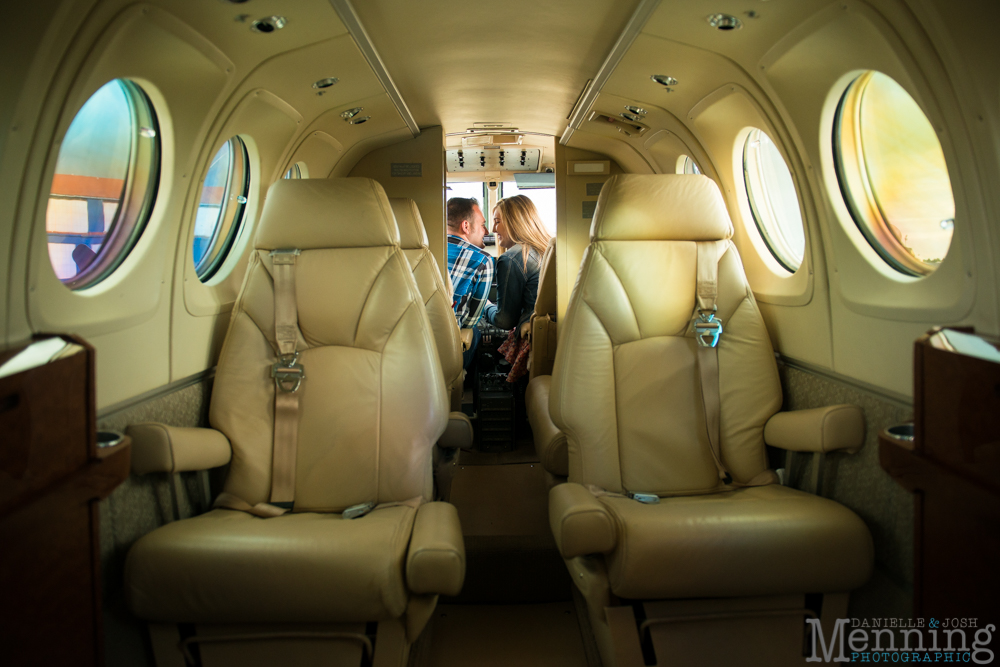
{"points": [[543, 320], [436, 559], [371, 408], [626, 391], [581, 524], [458, 433], [765, 540], [436, 294], [817, 430], [550, 442], [162, 448], [315, 568]]}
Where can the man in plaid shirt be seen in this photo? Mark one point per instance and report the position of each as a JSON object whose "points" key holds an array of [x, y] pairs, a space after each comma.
{"points": [[470, 267]]}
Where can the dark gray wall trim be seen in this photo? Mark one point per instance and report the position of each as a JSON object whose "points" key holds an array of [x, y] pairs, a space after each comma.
{"points": [[900, 400], [177, 385]]}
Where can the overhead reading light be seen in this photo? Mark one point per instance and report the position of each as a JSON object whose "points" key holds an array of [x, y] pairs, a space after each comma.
{"points": [[359, 121], [639, 111], [629, 116], [268, 24], [351, 113], [724, 22], [664, 80], [326, 83]]}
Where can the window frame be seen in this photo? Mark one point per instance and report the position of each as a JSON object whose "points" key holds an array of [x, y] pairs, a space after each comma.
{"points": [[852, 176], [231, 216], [775, 242], [139, 190]]}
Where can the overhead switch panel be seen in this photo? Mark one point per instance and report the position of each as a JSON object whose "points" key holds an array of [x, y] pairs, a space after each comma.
{"points": [[492, 159]]}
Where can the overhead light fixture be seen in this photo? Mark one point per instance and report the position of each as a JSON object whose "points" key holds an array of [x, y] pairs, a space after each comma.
{"points": [[629, 116], [351, 113], [724, 22], [638, 111], [360, 120], [268, 24], [326, 83], [665, 81]]}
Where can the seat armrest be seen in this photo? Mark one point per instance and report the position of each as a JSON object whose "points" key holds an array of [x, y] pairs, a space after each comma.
{"points": [[466, 338], [817, 430], [162, 448], [581, 524], [435, 563], [458, 433]]}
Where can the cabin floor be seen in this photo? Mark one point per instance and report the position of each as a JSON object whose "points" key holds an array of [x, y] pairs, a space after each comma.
{"points": [[518, 605]]}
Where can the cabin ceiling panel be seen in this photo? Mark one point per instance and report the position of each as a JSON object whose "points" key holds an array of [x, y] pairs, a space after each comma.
{"points": [[457, 62], [227, 25], [763, 25], [697, 71], [290, 76]]}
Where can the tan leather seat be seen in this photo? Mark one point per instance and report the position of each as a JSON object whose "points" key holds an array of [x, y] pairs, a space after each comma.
{"points": [[436, 294], [626, 390], [550, 442], [543, 320], [370, 410]]}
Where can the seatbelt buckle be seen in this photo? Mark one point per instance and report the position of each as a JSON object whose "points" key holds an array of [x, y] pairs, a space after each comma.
{"points": [[357, 511], [707, 328], [288, 374], [645, 498]]}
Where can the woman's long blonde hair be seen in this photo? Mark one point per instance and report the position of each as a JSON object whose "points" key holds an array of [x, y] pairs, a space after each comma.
{"points": [[523, 224]]}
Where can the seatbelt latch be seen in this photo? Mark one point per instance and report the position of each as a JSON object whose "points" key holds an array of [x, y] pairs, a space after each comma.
{"points": [[288, 373], [707, 328], [357, 511]]}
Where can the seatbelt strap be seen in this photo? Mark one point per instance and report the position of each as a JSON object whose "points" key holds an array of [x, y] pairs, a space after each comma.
{"points": [[288, 375], [707, 333], [229, 501]]}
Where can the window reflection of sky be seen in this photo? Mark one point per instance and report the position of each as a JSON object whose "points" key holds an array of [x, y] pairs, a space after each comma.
{"points": [[210, 205], [89, 179]]}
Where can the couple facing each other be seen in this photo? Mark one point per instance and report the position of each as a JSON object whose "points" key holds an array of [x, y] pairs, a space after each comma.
{"points": [[522, 236]]}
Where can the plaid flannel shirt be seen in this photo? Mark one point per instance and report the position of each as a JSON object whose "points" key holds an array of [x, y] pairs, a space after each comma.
{"points": [[471, 271]]}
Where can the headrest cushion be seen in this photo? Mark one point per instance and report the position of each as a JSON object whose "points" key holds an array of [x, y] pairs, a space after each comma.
{"points": [[412, 234], [326, 213], [663, 207]]}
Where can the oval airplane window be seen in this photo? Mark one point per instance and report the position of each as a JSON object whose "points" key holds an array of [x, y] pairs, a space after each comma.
{"points": [[221, 207], [685, 165], [893, 175], [104, 186], [773, 200], [297, 170]]}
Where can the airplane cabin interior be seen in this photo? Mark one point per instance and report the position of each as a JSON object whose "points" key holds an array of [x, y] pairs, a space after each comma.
{"points": [[377, 333]]}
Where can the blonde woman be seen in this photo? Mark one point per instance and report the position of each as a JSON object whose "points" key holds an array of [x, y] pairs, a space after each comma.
{"points": [[521, 234]]}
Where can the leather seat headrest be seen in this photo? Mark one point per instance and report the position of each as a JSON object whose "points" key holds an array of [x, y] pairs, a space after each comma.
{"points": [[326, 213], [412, 235], [662, 207]]}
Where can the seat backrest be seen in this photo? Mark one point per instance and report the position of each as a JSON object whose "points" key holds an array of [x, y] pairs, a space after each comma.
{"points": [[545, 302], [372, 403], [434, 291], [543, 322], [626, 387]]}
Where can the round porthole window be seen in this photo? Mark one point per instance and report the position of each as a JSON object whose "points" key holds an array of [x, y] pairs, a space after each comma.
{"points": [[685, 165], [104, 185], [773, 200], [893, 175], [221, 207]]}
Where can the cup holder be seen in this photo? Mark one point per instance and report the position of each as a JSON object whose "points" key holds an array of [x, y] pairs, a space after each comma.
{"points": [[107, 439], [903, 432]]}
